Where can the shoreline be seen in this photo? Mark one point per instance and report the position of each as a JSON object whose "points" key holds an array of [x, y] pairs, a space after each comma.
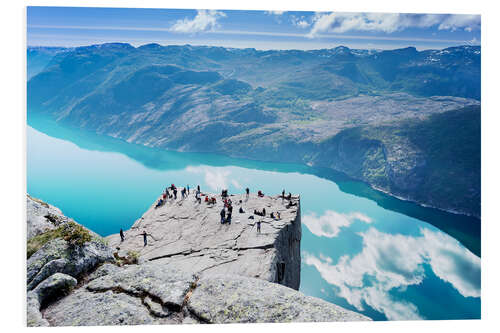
{"points": [[451, 211], [48, 117]]}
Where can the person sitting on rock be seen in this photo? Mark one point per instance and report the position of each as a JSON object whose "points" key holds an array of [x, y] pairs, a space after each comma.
{"points": [[206, 199], [214, 201], [241, 210], [263, 211], [272, 215], [260, 194], [160, 202], [279, 215], [289, 197]]}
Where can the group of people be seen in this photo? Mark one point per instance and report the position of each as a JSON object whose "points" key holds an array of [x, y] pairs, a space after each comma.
{"points": [[226, 212], [225, 217], [171, 193]]}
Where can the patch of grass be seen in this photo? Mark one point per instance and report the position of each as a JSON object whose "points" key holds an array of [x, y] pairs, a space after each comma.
{"points": [[132, 258], [71, 232]]}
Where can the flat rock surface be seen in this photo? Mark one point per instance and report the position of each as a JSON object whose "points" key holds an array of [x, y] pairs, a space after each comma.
{"points": [[154, 294], [235, 299], [189, 236]]}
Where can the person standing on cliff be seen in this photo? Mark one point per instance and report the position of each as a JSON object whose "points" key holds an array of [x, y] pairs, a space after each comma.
{"points": [[258, 226], [122, 236], [187, 188], [248, 192], [145, 235], [222, 215]]}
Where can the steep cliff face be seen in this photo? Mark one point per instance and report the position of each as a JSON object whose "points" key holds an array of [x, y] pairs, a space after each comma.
{"points": [[189, 235]]}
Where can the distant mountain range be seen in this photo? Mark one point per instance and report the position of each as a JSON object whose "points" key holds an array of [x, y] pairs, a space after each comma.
{"points": [[357, 111]]}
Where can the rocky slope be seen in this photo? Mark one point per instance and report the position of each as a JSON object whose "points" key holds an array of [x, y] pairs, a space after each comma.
{"points": [[156, 294], [207, 277]]}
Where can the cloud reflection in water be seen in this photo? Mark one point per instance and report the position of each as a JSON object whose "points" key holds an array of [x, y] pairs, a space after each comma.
{"points": [[392, 262]]}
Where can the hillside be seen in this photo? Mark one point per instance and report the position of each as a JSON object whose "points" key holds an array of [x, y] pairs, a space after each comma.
{"points": [[288, 106]]}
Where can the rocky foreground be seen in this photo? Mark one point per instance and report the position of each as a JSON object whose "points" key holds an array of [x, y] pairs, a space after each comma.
{"points": [[214, 274]]}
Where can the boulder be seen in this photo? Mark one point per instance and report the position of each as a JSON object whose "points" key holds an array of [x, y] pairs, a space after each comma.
{"points": [[222, 299], [60, 256], [42, 217], [55, 286]]}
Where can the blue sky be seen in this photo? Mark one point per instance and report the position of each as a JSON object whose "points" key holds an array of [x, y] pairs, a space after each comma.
{"points": [[75, 26]]}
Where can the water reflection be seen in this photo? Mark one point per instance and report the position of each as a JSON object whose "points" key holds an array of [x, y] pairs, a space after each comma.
{"points": [[330, 223], [463, 228], [390, 262]]}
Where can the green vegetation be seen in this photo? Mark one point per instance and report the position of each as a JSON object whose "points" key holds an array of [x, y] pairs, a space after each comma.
{"points": [[132, 258], [71, 232], [436, 160]]}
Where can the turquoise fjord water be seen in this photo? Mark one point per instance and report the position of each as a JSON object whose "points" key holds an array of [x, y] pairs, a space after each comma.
{"points": [[361, 249]]}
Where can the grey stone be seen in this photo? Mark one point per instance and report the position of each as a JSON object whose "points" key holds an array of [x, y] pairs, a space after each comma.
{"points": [[42, 217], [59, 256], [166, 284], [237, 299], [152, 294], [102, 270], [193, 270], [189, 236], [55, 286], [84, 308]]}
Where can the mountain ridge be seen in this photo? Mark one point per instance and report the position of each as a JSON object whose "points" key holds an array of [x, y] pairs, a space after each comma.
{"points": [[265, 105]]}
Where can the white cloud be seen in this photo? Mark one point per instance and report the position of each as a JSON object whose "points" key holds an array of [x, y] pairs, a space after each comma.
{"points": [[454, 22], [275, 12], [236, 184], [205, 20], [216, 179], [303, 24], [330, 223], [299, 22], [394, 262], [388, 22]]}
